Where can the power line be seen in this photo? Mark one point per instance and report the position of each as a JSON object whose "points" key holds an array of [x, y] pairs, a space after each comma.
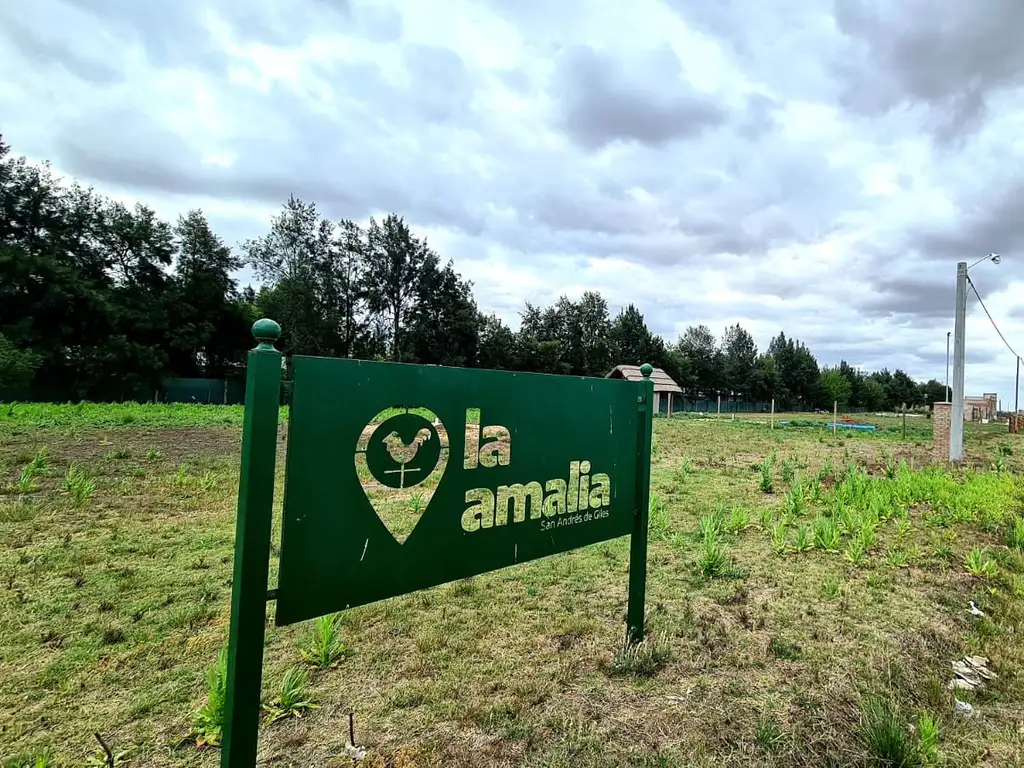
{"points": [[974, 288]]}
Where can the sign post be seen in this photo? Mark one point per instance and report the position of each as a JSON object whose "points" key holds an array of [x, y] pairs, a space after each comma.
{"points": [[252, 548], [402, 477], [638, 540]]}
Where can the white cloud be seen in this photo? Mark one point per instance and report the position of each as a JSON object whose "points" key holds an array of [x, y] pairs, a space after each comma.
{"points": [[784, 165]]}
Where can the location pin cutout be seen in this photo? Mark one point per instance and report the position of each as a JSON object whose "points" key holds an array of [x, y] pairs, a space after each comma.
{"points": [[400, 458]]}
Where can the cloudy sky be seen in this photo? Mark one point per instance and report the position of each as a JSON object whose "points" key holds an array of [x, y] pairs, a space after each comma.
{"points": [[806, 165]]}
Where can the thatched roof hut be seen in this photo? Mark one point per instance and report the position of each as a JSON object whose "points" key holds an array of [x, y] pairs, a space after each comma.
{"points": [[663, 383]]}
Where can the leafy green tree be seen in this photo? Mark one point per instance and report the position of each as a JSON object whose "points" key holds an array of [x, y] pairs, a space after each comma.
{"points": [[496, 347], [443, 323], [699, 348], [767, 383], [903, 391], [932, 391], [17, 366], [394, 260], [874, 394], [632, 342], [210, 324], [835, 388], [739, 361]]}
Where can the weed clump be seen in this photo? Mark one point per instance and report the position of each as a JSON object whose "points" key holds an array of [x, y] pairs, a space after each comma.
{"points": [[643, 659]]}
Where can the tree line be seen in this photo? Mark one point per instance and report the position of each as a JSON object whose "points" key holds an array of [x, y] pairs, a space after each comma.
{"points": [[97, 297]]}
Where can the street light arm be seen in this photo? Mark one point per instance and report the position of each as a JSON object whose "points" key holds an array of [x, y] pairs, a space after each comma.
{"points": [[995, 258]]}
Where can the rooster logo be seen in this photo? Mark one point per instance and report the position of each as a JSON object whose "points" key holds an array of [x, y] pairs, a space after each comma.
{"points": [[404, 450], [403, 454], [401, 447]]}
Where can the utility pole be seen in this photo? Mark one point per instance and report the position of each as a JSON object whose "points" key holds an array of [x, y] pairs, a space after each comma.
{"points": [[956, 427]]}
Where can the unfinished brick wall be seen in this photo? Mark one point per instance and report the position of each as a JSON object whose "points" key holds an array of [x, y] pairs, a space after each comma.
{"points": [[941, 420], [1016, 423]]}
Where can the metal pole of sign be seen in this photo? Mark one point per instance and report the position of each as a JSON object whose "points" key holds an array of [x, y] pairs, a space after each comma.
{"points": [[638, 540], [252, 549], [835, 416]]}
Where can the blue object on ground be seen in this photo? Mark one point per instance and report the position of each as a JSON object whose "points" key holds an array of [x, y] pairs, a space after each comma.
{"points": [[851, 426]]}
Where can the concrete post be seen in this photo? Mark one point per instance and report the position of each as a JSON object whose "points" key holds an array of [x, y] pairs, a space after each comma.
{"points": [[956, 426]]}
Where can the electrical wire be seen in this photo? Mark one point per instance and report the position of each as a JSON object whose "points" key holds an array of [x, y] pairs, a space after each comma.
{"points": [[974, 288]]}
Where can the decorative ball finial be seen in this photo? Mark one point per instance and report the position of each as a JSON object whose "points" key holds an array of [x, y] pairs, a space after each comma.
{"points": [[266, 331], [646, 370]]}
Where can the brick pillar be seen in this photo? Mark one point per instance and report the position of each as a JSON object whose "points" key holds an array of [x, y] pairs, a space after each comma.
{"points": [[940, 431], [1016, 422]]}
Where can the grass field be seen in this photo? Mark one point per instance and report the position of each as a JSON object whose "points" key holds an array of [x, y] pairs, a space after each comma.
{"points": [[807, 595]]}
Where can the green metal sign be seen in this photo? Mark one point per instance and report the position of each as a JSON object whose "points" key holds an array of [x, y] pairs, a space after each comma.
{"points": [[401, 477]]}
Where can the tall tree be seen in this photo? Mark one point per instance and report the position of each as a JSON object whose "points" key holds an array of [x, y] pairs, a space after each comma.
{"points": [[17, 366], [739, 360], [291, 260], [835, 388], [632, 342], [394, 260], [443, 323], [497, 344], [699, 348], [210, 323]]}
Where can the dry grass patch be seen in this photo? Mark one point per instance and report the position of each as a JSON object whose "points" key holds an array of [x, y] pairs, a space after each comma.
{"points": [[814, 624]]}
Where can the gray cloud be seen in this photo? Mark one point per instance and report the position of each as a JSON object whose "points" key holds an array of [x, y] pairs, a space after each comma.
{"points": [[748, 185], [647, 101], [950, 58]]}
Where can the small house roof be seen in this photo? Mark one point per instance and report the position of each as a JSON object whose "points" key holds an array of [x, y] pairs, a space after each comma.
{"points": [[662, 381]]}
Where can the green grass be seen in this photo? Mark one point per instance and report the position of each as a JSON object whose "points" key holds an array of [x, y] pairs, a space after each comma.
{"points": [[811, 625]]}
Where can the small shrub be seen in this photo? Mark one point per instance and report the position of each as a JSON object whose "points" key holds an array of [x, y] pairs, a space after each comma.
{"points": [[928, 738], [291, 700], [739, 520], [153, 455], [766, 517], [980, 564], [416, 503], [78, 484], [767, 467], [710, 526], [897, 558], [40, 462], [181, 476], [794, 504], [208, 721], [779, 543], [780, 649], [826, 534], [27, 481], [788, 471], [713, 559], [768, 735], [804, 541], [856, 552], [886, 738], [1015, 534], [831, 587], [643, 659], [324, 647], [658, 517], [209, 480]]}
